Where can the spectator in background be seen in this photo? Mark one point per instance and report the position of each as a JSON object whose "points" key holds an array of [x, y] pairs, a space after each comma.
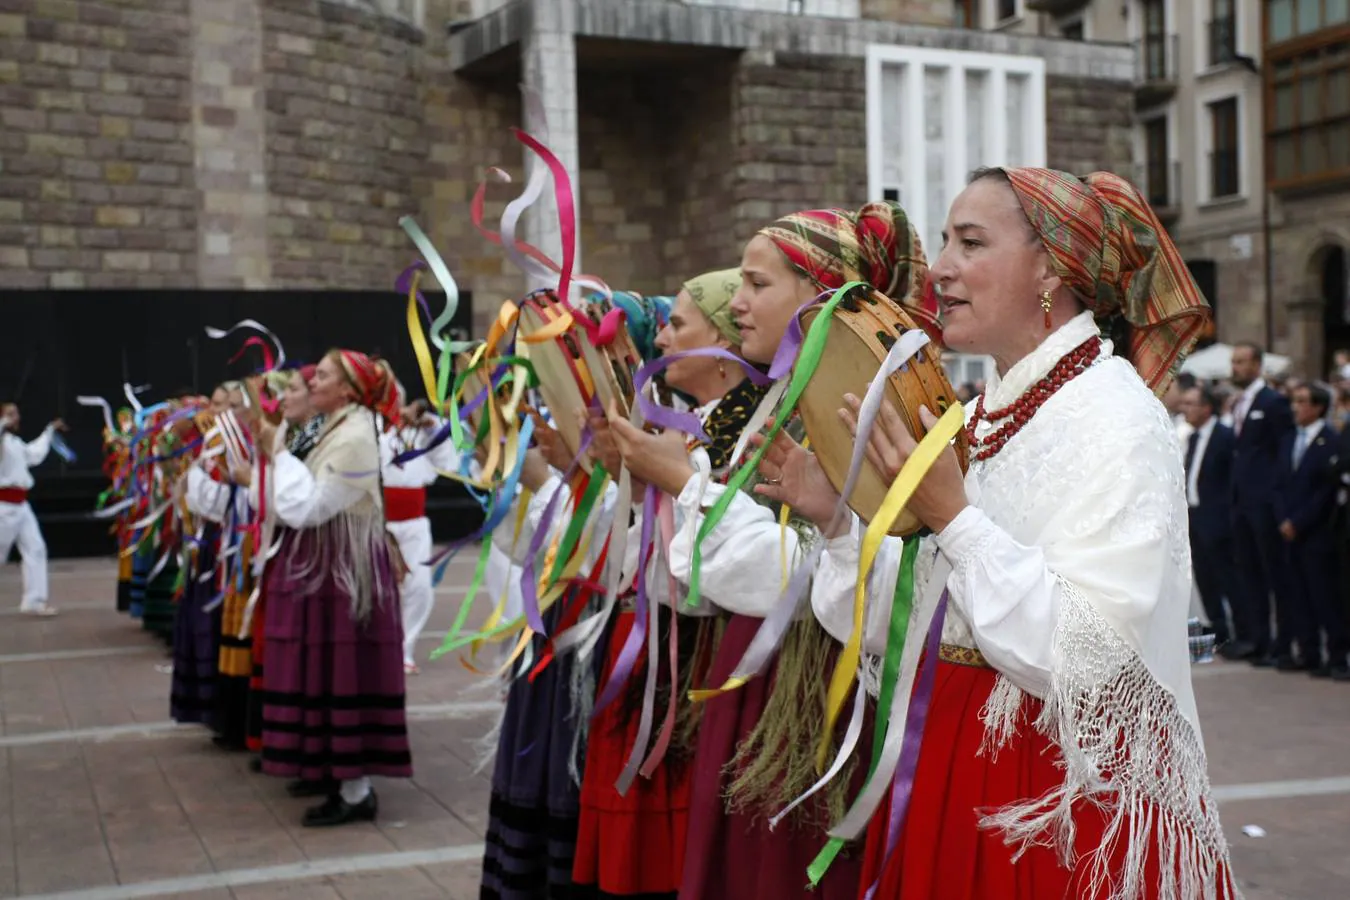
{"points": [[966, 393], [1261, 421], [1340, 416], [1209, 480], [1305, 503], [1173, 402]]}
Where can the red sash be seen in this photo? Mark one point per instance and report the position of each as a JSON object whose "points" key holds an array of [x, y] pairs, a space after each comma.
{"points": [[404, 504], [13, 495]]}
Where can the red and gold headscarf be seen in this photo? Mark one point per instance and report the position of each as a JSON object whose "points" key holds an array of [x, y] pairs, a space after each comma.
{"points": [[1107, 244], [877, 245], [373, 381]]}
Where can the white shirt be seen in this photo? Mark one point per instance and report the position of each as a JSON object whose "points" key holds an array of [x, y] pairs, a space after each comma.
{"points": [[18, 456], [419, 472], [1244, 403], [1205, 431], [1308, 433]]}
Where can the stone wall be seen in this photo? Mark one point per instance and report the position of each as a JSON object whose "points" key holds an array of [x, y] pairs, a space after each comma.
{"points": [[1303, 227], [1089, 126], [910, 12], [96, 187], [344, 143]]}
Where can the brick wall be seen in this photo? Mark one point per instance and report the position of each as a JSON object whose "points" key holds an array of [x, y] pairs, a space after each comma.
{"points": [[344, 143], [1089, 127], [96, 188]]}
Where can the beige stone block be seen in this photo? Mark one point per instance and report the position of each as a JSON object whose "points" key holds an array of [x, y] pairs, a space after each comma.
{"points": [[294, 43], [11, 210], [450, 191], [220, 34], [213, 73], [9, 71], [55, 145], [56, 190], [13, 258], [344, 233], [127, 260], [63, 100], [68, 280], [59, 54], [115, 84], [57, 236], [12, 25], [114, 127], [119, 173], [117, 215], [65, 10]]}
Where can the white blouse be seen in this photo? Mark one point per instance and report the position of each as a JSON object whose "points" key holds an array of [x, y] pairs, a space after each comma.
{"points": [[303, 501]]}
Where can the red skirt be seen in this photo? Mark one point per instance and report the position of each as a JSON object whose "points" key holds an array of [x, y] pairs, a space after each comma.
{"points": [[943, 854], [633, 844], [734, 856]]}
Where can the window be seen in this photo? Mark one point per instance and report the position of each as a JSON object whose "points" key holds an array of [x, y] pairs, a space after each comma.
{"points": [[1072, 31], [1007, 9], [1223, 165], [1157, 163], [1155, 41], [1288, 19], [1308, 103], [935, 115], [965, 13], [1222, 33]]}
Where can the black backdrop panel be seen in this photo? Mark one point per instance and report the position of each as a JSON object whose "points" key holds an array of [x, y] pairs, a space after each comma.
{"points": [[61, 344]]}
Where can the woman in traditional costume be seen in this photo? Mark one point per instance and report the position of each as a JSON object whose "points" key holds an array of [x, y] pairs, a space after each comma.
{"points": [[1062, 754], [335, 704], [757, 745], [535, 805], [632, 844]]}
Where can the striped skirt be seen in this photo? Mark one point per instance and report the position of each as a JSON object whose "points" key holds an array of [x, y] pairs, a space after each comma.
{"points": [[334, 702], [196, 648], [235, 667]]}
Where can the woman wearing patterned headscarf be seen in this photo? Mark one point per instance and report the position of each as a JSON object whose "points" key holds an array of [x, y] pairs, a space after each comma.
{"points": [[631, 844], [757, 745], [334, 712], [1062, 754]]}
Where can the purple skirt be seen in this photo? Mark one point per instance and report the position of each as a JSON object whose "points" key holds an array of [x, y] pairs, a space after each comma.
{"points": [[196, 642], [333, 701], [535, 806]]}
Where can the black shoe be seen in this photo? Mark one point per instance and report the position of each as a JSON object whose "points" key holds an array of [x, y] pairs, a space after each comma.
{"points": [[302, 788], [1236, 650], [1320, 672], [1289, 664], [255, 764], [336, 811]]}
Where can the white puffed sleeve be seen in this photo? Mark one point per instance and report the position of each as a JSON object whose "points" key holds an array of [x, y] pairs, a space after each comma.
{"points": [[658, 571], [743, 557], [206, 498], [835, 579], [301, 500], [36, 450]]}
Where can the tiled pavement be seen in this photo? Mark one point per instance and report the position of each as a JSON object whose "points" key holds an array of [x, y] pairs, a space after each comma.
{"points": [[107, 800]]}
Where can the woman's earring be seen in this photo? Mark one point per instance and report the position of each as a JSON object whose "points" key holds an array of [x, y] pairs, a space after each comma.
{"points": [[1046, 301], [721, 369]]}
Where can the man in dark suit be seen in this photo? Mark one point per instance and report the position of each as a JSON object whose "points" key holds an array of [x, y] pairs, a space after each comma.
{"points": [[1209, 479], [1305, 503], [1261, 421]]}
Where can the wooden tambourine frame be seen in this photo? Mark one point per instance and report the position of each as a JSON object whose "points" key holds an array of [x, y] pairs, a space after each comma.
{"points": [[862, 331]]}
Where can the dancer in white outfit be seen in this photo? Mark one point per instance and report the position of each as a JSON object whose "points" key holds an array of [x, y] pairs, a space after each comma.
{"points": [[18, 524], [405, 504]]}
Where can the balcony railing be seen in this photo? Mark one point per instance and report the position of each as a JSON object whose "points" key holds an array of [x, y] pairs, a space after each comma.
{"points": [[1160, 182], [1224, 174], [1056, 7], [1222, 41], [1157, 74]]}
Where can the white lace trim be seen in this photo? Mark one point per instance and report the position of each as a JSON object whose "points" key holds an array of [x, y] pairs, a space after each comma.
{"points": [[1109, 715]]}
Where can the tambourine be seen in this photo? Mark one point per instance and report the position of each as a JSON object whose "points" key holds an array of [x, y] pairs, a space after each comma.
{"points": [[864, 327], [571, 371]]}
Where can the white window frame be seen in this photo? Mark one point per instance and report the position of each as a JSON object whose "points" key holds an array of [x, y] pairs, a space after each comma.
{"points": [[1205, 146], [1203, 10], [956, 63]]}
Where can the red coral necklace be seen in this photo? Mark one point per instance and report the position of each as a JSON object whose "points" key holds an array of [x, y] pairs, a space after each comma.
{"points": [[1019, 412]]}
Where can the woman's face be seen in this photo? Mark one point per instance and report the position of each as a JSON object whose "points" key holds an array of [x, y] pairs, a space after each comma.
{"points": [[991, 274], [770, 295], [295, 401], [329, 390], [690, 329], [220, 400]]}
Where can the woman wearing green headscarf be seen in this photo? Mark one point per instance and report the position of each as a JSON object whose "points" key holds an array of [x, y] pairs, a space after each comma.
{"points": [[632, 844]]}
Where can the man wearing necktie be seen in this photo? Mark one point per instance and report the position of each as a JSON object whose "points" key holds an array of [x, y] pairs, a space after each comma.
{"points": [[1261, 423], [1306, 505], [1209, 473]]}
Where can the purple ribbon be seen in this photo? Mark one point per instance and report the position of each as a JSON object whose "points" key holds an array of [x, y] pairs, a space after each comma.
{"points": [[902, 787], [627, 660]]}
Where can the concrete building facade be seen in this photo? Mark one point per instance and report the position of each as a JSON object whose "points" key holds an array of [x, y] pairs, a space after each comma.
{"points": [[275, 143]]}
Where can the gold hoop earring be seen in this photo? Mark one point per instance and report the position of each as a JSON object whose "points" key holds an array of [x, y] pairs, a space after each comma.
{"points": [[1046, 302], [721, 369]]}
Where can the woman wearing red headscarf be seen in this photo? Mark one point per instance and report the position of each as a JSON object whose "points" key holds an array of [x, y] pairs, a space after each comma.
{"points": [[334, 709], [1061, 754]]}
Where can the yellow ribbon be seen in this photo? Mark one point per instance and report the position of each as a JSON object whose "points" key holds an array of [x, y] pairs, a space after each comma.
{"points": [[897, 497]]}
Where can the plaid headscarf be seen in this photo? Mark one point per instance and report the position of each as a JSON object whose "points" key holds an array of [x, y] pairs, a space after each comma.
{"points": [[373, 380], [877, 245], [712, 293], [1107, 244]]}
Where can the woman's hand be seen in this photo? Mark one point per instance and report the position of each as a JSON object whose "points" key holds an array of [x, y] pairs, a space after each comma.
{"points": [[659, 459], [793, 475], [550, 444], [534, 472], [604, 449], [264, 436], [242, 475], [941, 496]]}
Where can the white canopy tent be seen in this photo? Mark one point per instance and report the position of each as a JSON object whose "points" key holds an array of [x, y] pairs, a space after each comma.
{"points": [[1216, 361]]}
